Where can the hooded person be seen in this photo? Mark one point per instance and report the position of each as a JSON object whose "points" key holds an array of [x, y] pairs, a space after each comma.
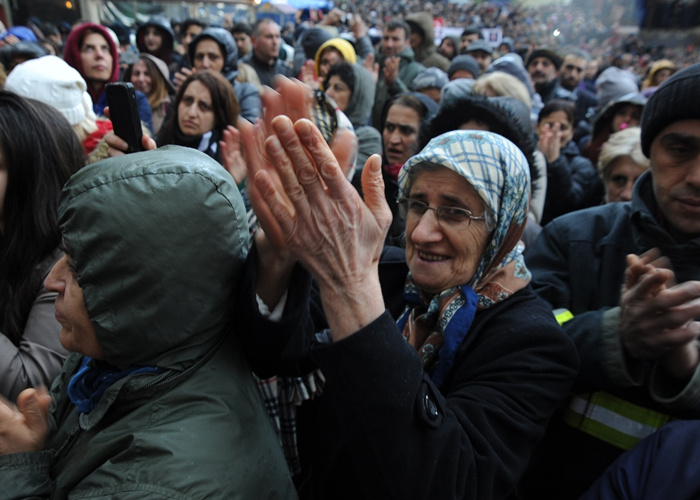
{"points": [[226, 62], [99, 66], [619, 113], [330, 53], [358, 107], [658, 73], [157, 398], [449, 47], [156, 37], [613, 83], [423, 41]]}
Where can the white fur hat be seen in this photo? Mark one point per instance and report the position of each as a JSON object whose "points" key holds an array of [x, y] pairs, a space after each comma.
{"points": [[51, 80]]}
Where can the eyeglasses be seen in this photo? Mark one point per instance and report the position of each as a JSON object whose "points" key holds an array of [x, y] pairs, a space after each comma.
{"points": [[415, 209]]}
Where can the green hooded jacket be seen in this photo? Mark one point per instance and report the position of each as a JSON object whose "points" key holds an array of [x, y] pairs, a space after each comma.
{"points": [[157, 240]]}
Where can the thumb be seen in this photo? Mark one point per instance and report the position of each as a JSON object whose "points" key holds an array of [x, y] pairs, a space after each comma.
{"points": [[373, 191], [34, 406]]}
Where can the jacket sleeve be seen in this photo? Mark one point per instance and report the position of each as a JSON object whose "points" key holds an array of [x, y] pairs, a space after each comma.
{"points": [[605, 365], [572, 184], [664, 465], [25, 475], [474, 440], [364, 47], [248, 100], [39, 356], [549, 261], [274, 347], [369, 143]]}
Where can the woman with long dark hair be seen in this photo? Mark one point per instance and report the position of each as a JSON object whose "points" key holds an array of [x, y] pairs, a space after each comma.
{"points": [[38, 153], [205, 106]]}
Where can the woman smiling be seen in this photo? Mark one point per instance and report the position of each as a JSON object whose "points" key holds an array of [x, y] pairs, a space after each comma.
{"points": [[443, 369]]}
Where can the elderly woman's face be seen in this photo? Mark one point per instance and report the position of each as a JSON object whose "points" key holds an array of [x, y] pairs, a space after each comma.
{"points": [[623, 174], [442, 254]]}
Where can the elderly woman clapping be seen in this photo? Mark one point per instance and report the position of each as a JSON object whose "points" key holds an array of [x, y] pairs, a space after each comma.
{"points": [[442, 369]]}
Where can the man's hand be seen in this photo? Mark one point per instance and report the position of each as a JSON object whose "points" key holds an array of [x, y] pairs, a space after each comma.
{"points": [[118, 146], [372, 67], [657, 318], [390, 71], [25, 428]]}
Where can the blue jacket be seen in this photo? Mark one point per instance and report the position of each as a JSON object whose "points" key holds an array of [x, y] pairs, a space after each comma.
{"points": [[664, 465]]}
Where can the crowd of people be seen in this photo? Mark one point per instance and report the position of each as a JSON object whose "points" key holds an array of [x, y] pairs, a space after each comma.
{"points": [[354, 258]]}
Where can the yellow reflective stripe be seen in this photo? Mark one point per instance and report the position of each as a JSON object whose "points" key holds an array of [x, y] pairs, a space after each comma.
{"points": [[613, 420], [562, 315]]}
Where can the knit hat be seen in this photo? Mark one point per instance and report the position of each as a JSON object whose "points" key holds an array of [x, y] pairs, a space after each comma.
{"points": [[612, 83], [463, 62], [482, 45], [51, 80], [674, 100], [549, 54], [454, 90], [512, 64], [430, 78]]}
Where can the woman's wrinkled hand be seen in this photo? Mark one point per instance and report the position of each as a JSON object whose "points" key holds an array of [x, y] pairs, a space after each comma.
{"points": [[325, 223]]}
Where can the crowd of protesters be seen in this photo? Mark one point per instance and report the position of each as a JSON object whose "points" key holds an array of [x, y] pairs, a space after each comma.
{"points": [[453, 254]]}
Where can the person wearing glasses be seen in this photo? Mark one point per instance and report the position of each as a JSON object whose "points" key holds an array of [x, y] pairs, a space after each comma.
{"points": [[441, 365]]}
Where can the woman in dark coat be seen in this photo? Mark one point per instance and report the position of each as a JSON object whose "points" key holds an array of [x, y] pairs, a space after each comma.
{"points": [[442, 369]]}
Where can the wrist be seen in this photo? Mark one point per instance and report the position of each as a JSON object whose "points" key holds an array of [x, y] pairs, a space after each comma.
{"points": [[350, 308], [682, 362]]}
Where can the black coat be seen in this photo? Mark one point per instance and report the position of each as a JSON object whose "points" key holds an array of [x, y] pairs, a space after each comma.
{"points": [[382, 429]]}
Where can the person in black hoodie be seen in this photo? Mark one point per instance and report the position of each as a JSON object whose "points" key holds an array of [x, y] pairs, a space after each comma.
{"points": [[157, 38]]}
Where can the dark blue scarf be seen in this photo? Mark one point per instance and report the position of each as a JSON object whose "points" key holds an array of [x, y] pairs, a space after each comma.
{"points": [[94, 377]]}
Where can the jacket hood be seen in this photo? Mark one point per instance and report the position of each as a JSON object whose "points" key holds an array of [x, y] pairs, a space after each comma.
{"points": [[158, 240], [71, 52], [359, 107], [341, 45], [162, 69], [606, 115], [163, 25], [424, 22], [655, 68], [228, 49]]}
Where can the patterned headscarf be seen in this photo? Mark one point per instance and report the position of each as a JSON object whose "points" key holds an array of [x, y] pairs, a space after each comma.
{"points": [[498, 171]]}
